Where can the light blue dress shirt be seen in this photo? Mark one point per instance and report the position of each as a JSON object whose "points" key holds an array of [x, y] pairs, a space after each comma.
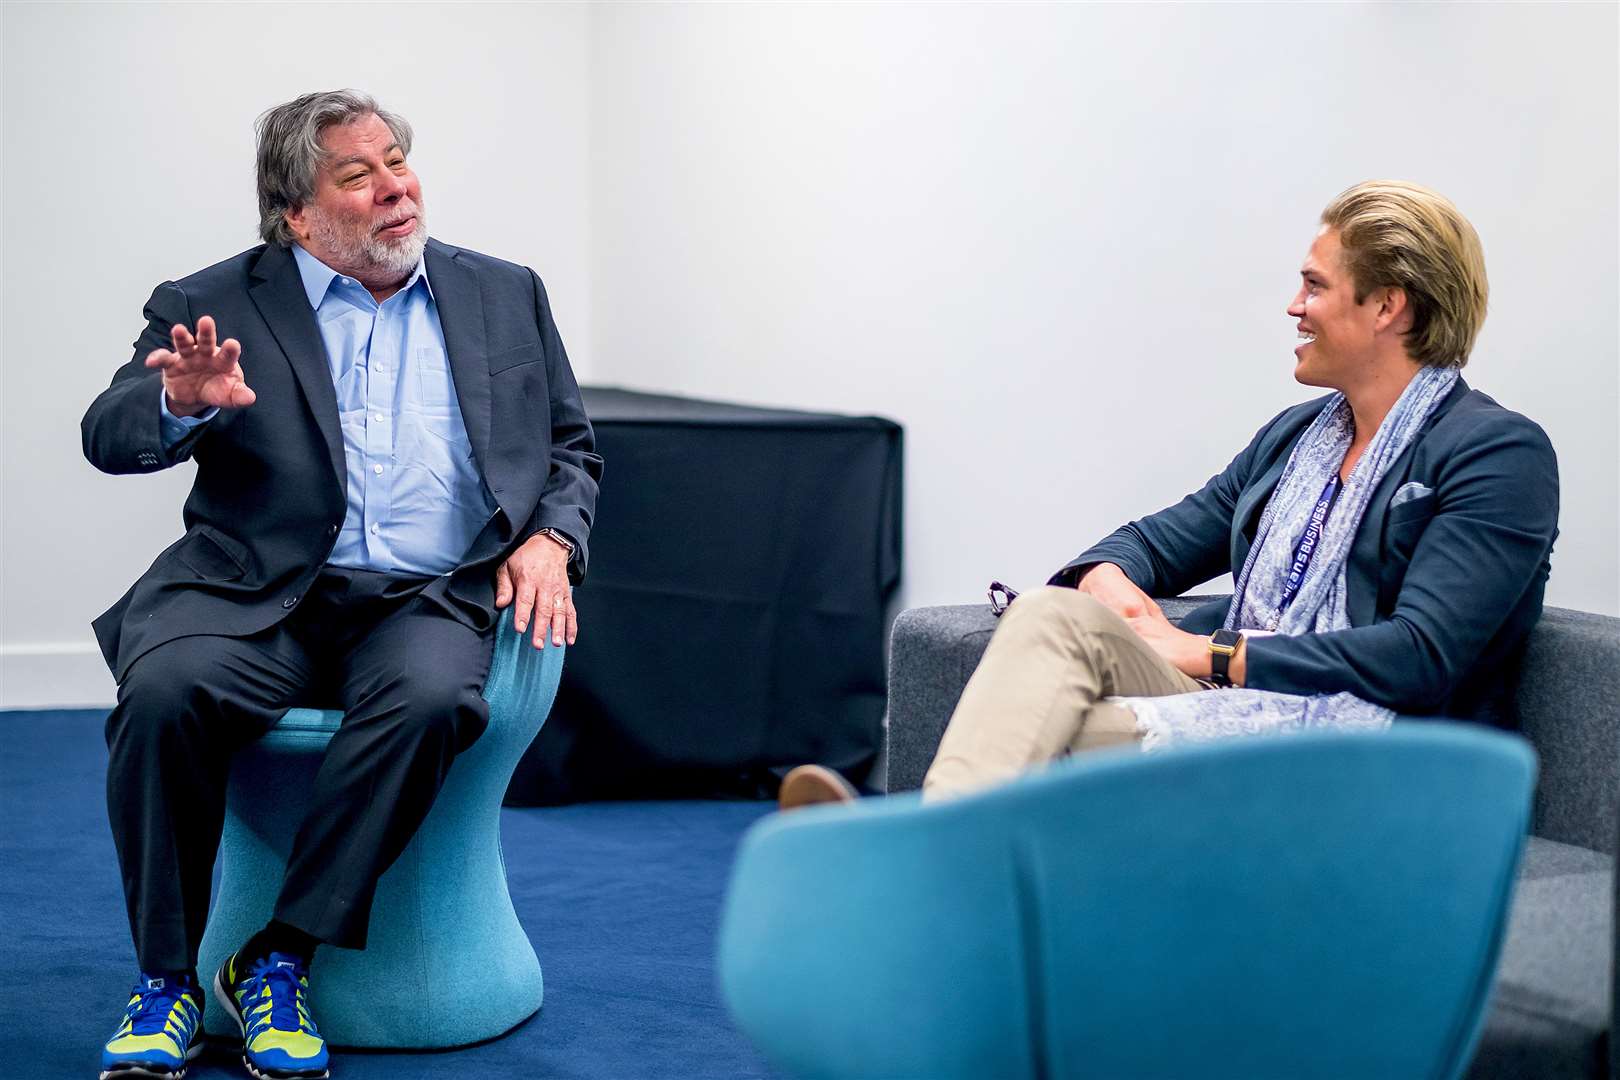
{"points": [[415, 497]]}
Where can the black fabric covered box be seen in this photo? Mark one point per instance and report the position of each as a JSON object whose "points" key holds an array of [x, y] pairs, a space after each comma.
{"points": [[733, 616]]}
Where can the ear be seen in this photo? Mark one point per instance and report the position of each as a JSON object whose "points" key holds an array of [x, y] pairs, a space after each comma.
{"points": [[298, 221], [1394, 311]]}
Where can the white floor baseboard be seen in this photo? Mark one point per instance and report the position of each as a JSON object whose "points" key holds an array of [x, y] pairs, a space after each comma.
{"points": [[57, 675]]}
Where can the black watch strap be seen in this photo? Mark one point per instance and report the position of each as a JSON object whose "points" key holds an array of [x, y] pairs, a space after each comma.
{"points": [[1223, 644]]}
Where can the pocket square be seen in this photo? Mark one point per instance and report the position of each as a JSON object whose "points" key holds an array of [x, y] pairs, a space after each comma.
{"points": [[1409, 491]]}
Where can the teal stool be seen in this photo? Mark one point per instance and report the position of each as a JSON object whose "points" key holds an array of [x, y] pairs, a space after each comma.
{"points": [[1310, 906], [443, 935]]}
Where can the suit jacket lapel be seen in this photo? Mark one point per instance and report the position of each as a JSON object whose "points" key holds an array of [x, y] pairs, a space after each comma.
{"points": [[278, 293], [1361, 574], [460, 301], [1249, 505]]}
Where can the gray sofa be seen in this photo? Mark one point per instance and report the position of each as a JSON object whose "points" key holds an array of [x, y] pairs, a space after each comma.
{"points": [[1553, 1008]]}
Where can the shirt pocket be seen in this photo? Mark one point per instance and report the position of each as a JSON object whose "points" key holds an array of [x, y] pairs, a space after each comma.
{"points": [[435, 390]]}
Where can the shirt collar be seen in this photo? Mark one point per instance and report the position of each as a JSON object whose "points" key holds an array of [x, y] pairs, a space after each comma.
{"points": [[318, 277]]}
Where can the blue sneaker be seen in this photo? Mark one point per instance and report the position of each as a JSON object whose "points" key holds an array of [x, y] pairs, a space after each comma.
{"points": [[269, 1000], [159, 1033]]}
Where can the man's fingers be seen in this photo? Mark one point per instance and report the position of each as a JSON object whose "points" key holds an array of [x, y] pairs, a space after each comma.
{"points": [[503, 586], [242, 395], [573, 622], [205, 333], [522, 605], [183, 341], [559, 619], [547, 621], [230, 351], [161, 358]]}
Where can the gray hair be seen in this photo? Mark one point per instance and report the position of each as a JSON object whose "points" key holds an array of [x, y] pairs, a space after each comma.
{"points": [[290, 151]]}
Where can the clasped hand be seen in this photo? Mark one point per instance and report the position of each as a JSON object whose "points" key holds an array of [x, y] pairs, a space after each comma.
{"points": [[199, 374], [534, 579], [1108, 585]]}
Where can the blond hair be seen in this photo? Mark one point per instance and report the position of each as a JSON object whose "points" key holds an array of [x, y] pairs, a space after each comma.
{"points": [[1396, 234]]}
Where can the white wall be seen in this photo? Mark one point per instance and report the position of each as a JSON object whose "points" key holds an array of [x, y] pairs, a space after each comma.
{"points": [[128, 147], [1056, 242], [1053, 241]]}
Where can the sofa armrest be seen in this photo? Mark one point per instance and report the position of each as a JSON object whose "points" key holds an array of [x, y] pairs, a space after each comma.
{"points": [[1567, 703], [932, 654]]}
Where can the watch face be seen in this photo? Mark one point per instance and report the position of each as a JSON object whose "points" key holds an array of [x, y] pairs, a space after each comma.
{"points": [[1226, 638]]}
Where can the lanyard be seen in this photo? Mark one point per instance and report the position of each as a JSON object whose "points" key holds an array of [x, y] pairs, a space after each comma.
{"points": [[1308, 541]]}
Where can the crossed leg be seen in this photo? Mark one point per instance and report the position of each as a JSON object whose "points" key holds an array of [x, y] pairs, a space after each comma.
{"points": [[1037, 693]]}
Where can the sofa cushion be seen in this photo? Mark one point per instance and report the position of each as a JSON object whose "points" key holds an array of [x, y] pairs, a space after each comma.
{"points": [[1549, 1015]]}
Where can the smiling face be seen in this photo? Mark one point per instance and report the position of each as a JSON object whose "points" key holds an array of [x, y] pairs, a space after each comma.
{"points": [[1339, 339], [366, 219]]}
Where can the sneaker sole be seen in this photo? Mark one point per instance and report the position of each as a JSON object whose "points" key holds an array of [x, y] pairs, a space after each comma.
{"points": [[143, 1072], [224, 998], [283, 1074]]}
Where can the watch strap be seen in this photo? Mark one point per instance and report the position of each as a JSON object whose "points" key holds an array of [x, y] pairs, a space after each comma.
{"points": [[553, 534]]}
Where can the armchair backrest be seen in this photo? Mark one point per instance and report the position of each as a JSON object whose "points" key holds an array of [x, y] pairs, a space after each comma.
{"points": [[1310, 906]]}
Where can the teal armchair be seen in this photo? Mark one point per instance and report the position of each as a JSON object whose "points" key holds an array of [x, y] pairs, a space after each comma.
{"points": [[443, 931], [1314, 906]]}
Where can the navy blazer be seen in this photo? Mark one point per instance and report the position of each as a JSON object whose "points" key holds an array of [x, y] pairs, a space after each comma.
{"points": [[268, 500], [1442, 589]]}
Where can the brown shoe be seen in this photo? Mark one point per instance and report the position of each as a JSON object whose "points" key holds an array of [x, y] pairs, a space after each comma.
{"points": [[811, 784]]}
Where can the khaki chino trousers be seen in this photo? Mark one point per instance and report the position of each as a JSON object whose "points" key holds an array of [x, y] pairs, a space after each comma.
{"points": [[1037, 694]]}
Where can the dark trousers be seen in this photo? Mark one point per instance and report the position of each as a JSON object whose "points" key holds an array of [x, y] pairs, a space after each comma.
{"points": [[409, 679]]}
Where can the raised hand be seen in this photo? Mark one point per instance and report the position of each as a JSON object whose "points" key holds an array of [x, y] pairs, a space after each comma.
{"points": [[198, 374]]}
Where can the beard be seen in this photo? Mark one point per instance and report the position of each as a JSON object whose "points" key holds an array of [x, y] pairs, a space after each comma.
{"points": [[354, 248]]}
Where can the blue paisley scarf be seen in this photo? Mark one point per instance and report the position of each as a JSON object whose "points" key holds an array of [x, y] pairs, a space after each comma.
{"points": [[1318, 606]]}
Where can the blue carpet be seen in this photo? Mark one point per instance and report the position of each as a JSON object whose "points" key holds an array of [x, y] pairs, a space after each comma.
{"points": [[621, 900]]}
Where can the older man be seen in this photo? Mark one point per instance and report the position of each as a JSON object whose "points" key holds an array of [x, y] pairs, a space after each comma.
{"points": [[390, 445], [1389, 541]]}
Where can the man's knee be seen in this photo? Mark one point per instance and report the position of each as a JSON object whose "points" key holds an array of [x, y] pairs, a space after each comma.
{"points": [[1061, 604], [423, 709], [192, 690], [158, 701]]}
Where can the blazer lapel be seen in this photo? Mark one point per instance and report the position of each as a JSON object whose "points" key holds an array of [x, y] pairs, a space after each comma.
{"points": [[278, 293], [1249, 505], [1361, 573], [460, 301]]}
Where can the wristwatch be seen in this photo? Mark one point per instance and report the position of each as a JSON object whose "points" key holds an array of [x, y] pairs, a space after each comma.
{"points": [[1223, 645], [553, 534]]}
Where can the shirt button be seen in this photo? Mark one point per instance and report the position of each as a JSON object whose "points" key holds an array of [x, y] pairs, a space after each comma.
{"points": [[378, 367], [377, 469], [378, 418], [375, 529], [331, 530], [289, 602]]}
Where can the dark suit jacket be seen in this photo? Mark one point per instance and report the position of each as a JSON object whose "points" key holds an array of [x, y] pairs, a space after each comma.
{"points": [[1442, 589], [268, 500]]}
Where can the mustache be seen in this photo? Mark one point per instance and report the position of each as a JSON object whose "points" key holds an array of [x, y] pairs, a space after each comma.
{"points": [[403, 213]]}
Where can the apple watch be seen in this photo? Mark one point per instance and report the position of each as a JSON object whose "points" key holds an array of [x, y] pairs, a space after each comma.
{"points": [[1223, 645]]}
